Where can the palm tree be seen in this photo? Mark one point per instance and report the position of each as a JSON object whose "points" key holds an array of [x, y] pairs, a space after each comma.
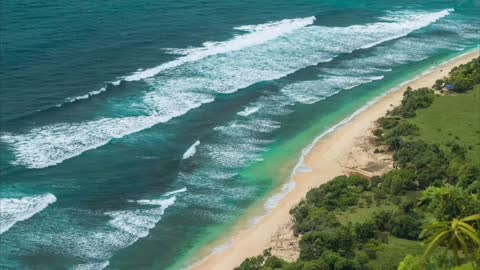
{"points": [[457, 236]]}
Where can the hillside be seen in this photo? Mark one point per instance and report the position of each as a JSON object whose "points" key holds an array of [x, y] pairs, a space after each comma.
{"points": [[353, 222]]}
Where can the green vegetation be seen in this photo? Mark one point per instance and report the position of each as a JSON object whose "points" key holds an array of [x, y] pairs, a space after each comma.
{"points": [[452, 120], [457, 235], [432, 195], [394, 252], [464, 77]]}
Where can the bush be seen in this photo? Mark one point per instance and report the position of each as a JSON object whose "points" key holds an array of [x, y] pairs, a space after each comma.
{"points": [[341, 192], [464, 77], [314, 244], [458, 151], [439, 84], [427, 160], [449, 202], [365, 231], [361, 257], [379, 195], [331, 261], [252, 263], [387, 123], [399, 181], [413, 100], [262, 262], [273, 262], [394, 136], [412, 263], [377, 132], [371, 248], [308, 218], [381, 219], [406, 226]]}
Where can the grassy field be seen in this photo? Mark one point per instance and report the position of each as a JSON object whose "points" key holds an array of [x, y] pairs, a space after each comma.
{"points": [[391, 253], [360, 214], [394, 252], [453, 119]]}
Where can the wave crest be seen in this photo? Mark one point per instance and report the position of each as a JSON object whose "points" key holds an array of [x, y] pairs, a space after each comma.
{"points": [[14, 210]]}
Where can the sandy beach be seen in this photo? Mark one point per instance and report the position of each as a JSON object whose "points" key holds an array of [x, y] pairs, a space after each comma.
{"points": [[346, 150]]}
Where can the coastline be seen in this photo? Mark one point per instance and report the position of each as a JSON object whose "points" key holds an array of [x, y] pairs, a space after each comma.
{"points": [[339, 150]]}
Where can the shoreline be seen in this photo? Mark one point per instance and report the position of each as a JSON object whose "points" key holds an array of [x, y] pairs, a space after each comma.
{"points": [[337, 151]]}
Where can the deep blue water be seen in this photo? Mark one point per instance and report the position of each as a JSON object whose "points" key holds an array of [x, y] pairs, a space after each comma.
{"points": [[102, 104]]}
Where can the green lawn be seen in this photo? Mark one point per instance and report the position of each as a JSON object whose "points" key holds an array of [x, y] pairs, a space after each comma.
{"points": [[360, 215], [394, 252], [453, 119]]}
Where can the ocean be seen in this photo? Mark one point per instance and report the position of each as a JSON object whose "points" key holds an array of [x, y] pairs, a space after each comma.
{"points": [[136, 134]]}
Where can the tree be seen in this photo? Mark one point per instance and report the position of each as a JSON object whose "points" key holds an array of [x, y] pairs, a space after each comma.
{"points": [[448, 202], [365, 231], [419, 263], [314, 244], [457, 236], [464, 77], [406, 226], [399, 181], [439, 84]]}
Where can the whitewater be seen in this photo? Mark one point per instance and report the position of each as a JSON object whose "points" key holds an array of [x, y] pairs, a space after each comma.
{"points": [[265, 52], [179, 118]]}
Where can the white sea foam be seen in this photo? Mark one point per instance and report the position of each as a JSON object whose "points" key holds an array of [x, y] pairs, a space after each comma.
{"points": [[262, 34], [91, 266], [51, 145], [176, 191], [191, 150], [13, 210], [309, 92], [248, 110], [94, 246], [301, 167], [257, 34], [139, 222], [265, 52], [234, 155], [273, 201], [216, 250], [86, 96]]}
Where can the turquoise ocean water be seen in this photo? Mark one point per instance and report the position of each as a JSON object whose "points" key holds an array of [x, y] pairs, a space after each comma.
{"points": [[135, 133]]}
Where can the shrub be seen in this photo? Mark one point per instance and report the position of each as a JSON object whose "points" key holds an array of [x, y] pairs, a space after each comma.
{"points": [[399, 181], [308, 218], [371, 249], [464, 77], [361, 257], [427, 160], [252, 263], [449, 202], [314, 244], [341, 192], [439, 84], [458, 151], [406, 226], [379, 195], [387, 123], [413, 100], [393, 136], [365, 231], [412, 263], [381, 219]]}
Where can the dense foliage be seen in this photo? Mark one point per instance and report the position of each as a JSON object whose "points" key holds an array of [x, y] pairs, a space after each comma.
{"points": [[347, 222], [464, 77]]}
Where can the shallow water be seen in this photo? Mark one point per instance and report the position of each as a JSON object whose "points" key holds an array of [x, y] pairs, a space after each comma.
{"points": [[103, 106]]}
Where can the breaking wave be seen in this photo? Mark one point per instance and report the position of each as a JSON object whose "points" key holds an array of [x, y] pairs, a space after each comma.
{"points": [[15, 210], [191, 150], [265, 52]]}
